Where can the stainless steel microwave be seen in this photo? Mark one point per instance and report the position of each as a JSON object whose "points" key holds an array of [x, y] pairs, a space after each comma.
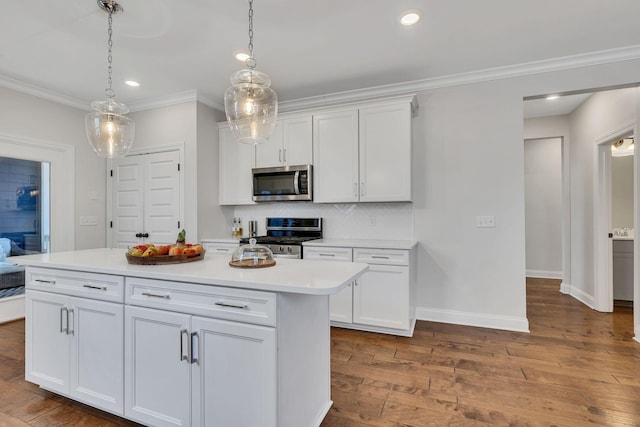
{"points": [[283, 183]]}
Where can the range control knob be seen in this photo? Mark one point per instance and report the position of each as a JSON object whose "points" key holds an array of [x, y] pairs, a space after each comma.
{"points": [[289, 249], [281, 249]]}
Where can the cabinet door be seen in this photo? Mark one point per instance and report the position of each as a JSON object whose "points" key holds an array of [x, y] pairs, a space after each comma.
{"points": [[47, 340], [269, 154], [385, 153], [157, 368], [341, 305], [381, 297], [236, 162], [236, 370], [96, 353], [298, 141], [335, 154]]}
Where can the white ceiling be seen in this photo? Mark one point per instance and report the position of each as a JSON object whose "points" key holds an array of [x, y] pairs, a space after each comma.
{"points": [[307, 47]]}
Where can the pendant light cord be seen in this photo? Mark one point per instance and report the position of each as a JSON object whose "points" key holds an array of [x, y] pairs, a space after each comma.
{"points": [[250, 62], [109, 91]]}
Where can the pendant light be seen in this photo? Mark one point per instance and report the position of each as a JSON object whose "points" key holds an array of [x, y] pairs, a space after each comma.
{"points": [[110, 132], [250, 104]]}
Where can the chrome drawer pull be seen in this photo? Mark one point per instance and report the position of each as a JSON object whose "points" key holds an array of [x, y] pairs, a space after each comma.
{"points": [[65, 311], [149, 294], [51, 282], [100, 288], [222, 249], [327, 254], [379, 257], [224, 304], [183, 356], [194, 348]]}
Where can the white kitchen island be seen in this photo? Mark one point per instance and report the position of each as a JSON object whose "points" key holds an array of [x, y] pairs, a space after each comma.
{"points": [[194, 344]]}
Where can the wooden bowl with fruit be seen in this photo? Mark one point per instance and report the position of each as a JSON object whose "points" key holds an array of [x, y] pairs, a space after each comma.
{"points": [[151, 254]]}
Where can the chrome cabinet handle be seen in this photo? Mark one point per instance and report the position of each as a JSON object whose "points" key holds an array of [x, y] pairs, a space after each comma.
{"points": [[183, 356], [362, 192], [70, 323], [194, 348], [66, 311], [149, 294], [222, 249], [51, 282], [355, 189], [100, 288], [379, 257], [224, 304], [280, 155], [327, 254], [284, 155]]}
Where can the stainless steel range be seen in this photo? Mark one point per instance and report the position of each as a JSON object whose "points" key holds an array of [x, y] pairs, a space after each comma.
{"points": [[285, 235]]}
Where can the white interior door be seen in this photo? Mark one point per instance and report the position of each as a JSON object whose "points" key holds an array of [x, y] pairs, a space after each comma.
{"points": [[128, 184], [162, 197], [146, 199]]}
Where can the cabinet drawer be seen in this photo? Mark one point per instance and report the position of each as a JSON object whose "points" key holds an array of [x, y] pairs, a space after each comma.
{"points": [[328, 254], [103, 287], [220, 248], [381, 256], [211, 301]]}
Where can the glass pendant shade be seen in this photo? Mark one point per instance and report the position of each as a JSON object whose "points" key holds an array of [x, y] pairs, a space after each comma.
{"points": [[251, 106], [109, 131]]}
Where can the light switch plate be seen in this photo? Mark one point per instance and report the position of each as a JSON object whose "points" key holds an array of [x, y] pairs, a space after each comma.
{"points": [[486, 221], [88, 220]]}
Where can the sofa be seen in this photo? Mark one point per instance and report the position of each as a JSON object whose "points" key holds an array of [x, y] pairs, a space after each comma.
{"points": [[11, 275]]}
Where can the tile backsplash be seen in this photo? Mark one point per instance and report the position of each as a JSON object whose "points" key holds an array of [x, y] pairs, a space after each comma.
{"points": [[388, 221]]}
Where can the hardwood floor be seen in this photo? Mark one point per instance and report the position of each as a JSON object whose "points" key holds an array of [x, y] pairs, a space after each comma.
{"points": [[576, 367]]}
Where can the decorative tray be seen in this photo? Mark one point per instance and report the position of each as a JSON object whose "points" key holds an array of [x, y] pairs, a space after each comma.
{"points": [[163, 259], [249, 263]]}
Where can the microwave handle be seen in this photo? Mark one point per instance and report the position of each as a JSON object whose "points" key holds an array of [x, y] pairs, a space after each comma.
{"points": [[296, 180]]}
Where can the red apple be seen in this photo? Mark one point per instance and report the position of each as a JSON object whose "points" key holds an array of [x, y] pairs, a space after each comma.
{"points": [[176, 250], [190, 252]]}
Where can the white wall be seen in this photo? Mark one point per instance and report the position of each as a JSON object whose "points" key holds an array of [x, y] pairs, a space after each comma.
{"points": [[622, 192], [212, 218], [601, 116], [29, 119], [543, 207]]}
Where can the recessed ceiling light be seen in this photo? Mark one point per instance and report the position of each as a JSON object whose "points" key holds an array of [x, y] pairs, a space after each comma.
{"points": [[132, 83], [552, 97], [410, 17], [241, 56]]}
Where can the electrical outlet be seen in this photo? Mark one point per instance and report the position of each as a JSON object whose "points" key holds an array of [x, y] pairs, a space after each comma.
{"points": [[88, 220], [486, 221]]}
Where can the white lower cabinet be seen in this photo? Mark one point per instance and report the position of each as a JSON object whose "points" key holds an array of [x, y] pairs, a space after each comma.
{"points": [[381, 299], [188, 370], [74, 347], [219, 247]]}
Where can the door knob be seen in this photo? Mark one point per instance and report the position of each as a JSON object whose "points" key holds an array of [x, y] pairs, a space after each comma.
{"points": [[138, 235], [145, 235]]}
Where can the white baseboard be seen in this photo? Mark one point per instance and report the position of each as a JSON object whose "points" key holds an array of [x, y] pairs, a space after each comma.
{"points": [[11, 308], [565, 288], [509, 323], [544, 274], [583, 297]]}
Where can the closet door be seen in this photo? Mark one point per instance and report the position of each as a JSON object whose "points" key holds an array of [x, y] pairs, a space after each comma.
{"points": [[146, 199], [127, 201]]}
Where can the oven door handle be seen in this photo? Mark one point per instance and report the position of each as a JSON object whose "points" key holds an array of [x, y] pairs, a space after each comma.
{"points": [[286, 256], [296, 180]]}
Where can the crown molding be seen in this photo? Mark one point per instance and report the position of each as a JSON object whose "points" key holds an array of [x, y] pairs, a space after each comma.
{"points": [[192, 95], [536, 67], [49, 95], [519, 70]]}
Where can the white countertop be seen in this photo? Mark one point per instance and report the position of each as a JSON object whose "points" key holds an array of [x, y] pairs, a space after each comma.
{"points": [[363, 243], [288, 275]]}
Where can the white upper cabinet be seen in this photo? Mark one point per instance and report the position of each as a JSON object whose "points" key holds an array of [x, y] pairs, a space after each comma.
{"points": [[335, 151], [385, 153], [236, 162], [290, 144], [363, 154]]}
